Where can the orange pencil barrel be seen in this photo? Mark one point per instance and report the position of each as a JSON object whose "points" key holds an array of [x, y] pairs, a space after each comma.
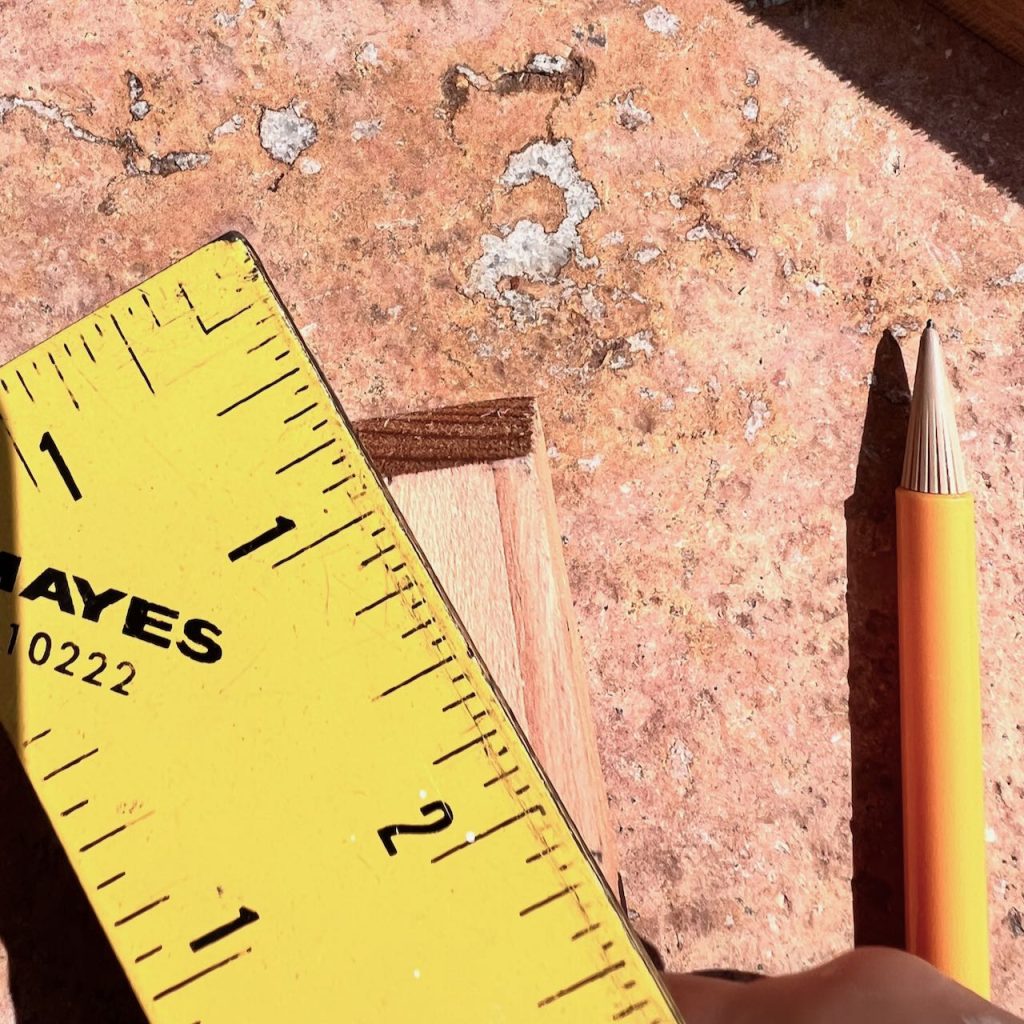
{"points": [[940, 702]]}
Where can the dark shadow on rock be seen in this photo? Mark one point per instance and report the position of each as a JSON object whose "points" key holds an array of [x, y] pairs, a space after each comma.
{"points": [[968, 102], [874, 678]]}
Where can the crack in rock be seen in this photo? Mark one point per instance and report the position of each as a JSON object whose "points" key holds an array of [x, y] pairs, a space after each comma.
{"points": [[51, 112], [543, 72], [529, 251], [285, 133], [136, 162], [705, 229]]}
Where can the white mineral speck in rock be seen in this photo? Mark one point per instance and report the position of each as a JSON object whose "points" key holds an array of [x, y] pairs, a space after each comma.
{"points": [[547, 64], [629, 115], [368, 55], [528, 250], [759, 416], [1017, 277], [229, 127], [641, 342], [647, 255], [657, 19], [285, 133], [751, 108], [308, 166], [591, 464], [367, 129]]}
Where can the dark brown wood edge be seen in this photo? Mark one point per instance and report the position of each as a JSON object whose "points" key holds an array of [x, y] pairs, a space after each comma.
{"points": [[455, 435]]}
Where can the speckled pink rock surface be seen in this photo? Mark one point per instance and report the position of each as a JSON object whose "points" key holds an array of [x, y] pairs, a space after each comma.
{"points": [[685, 228]]}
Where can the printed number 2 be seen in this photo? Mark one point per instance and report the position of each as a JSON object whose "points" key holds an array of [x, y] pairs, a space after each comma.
{"points": [[389, 832], [49, 446]]}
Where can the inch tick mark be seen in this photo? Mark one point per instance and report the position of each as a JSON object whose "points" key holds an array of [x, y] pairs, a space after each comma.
{"points": [[245, 917], [283, 525]]}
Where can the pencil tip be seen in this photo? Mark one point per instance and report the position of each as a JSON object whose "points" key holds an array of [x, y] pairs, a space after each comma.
{"points": [[930, 323], [933, 462]]}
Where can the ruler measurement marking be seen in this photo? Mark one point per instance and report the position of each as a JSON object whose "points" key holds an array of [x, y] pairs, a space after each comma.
{"points": [[630, 1010], [584, 931], [142, 910], [335, 486], [53, 363], [309, 454], [582, 983], [221, 323], [487, 832], [317, 426], [148, 954], [569, 889], [49, 447], [245, 917], [387, 597], [38, 736], [418, 675], [498, 778], [71, 764], [259, 391], [461, 700], [301, 412], [73, 808], [281, 355], [24, 385], [88, 351], [111, 880], [131, 352], [200, 974], [279, 529], [152, 313], [415, 629], [380, 554], [184, 294], [102, 839], [17, 451], [543, 853], [339, 460], [325, 537], [482, 738], [265, 341]]}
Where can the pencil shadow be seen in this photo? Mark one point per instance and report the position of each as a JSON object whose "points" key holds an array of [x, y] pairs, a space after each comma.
{"points": [[873, 676], [919, 63], [61, 967]]}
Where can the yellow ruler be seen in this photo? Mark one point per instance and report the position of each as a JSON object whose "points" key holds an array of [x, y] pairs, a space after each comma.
{"points": [[283, 777]]}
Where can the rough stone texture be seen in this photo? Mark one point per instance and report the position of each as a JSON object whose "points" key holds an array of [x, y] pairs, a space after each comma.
{"points": [[728, 538]]}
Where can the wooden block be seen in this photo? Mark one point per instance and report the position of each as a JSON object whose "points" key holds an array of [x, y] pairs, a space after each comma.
{"points": [[1001, 22], [473, 484]]}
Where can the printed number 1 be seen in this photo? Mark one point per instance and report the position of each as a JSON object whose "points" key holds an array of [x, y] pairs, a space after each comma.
{"points": [[49, 446]]}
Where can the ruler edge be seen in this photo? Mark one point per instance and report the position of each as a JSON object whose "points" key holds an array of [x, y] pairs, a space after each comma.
{"points": [[236, 238]]}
